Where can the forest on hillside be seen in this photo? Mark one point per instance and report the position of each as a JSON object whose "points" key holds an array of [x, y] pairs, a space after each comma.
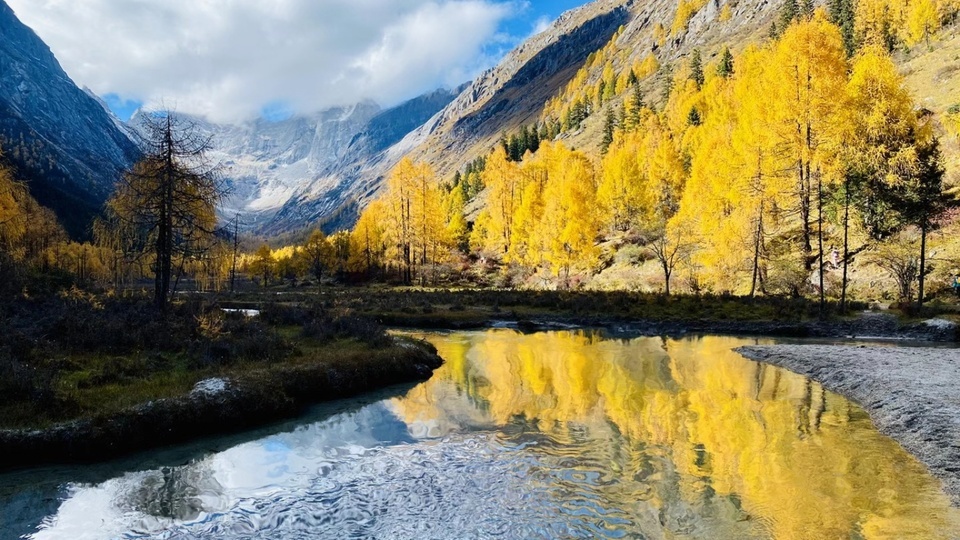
{"points": [[800, 165], [766, 172]]}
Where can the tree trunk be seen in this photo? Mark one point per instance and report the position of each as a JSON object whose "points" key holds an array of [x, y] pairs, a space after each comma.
{"points": [[923, 264], [756, 252], [823, 298], [666, 277], [846, 245]]}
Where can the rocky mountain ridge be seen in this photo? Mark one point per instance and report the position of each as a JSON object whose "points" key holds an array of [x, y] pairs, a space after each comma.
{"points": [[58, 138], [271, 166]]}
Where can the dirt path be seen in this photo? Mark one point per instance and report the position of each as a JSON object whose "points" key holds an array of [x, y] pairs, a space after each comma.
{"points": [[912, 394]]}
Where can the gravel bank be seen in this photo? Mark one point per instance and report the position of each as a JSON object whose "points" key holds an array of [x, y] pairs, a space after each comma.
{"points": [[912, 394]]}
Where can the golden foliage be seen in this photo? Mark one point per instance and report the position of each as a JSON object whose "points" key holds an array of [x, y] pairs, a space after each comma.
{"points": [[686, 9]]}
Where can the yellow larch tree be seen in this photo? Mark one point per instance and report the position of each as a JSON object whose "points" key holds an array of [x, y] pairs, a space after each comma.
{"points": [[922, 20], [570, 221], [505, 189], [429, 217], [880, 128], [526, 241], [457, 229], [12, 218], [415, 218], [808, 80], [368, 240], [398, 202]]}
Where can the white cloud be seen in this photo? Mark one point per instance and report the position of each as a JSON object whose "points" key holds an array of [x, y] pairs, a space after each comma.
{"points": [[541, 25], [228, 59]]}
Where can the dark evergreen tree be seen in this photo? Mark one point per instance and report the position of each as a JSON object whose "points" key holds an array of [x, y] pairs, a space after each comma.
{"points": [[725, 69], [842, 13], [921, 200], [666, 80], [788, 13], [609, 127], [167, 201], [696, 68]]}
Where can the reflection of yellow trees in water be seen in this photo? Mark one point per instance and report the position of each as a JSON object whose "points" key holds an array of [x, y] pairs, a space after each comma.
{"points": [[802, 462]]}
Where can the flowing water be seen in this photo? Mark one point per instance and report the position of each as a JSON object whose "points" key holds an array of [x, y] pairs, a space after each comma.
{"points": [[550, 435]]}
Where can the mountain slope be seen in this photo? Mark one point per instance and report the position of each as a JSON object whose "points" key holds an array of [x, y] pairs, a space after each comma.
{"points": [[515, 92], [59, 138]]}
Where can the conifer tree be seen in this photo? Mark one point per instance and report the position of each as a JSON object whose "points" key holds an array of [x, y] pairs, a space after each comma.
{"points": [[842, 14], [609, 127], [921, 200], [317, 252], [725, 67], [788, 13], [696, 69], [168, 199]]}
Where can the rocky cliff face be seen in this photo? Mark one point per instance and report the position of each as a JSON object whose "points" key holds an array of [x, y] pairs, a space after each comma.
{"points": [[59, 138]]}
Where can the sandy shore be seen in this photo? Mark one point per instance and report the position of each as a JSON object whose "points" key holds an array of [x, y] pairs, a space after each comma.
{"points": [[912, 394]]}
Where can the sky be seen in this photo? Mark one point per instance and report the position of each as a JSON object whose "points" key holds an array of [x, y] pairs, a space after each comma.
{"points": [[233, 60]]}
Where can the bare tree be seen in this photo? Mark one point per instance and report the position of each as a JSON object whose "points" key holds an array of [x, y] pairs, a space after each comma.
{"points": [[671, 248], [167, 201]]}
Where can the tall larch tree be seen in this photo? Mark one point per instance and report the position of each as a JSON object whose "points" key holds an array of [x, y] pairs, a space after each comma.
{"points": [[504, 181], [809, 78], [570, 214], [368, 240], [880, 126], [168, 199]]}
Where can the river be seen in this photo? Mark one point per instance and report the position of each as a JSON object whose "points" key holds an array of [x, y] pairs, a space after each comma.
{"points": [[567, 434]]}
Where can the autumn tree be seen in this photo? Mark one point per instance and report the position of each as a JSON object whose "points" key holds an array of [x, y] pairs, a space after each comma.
{"points": [[880, 128], [414, 219], [167, 201], [317, 252], [504, 182], [809, 78], [921, 198], [262, 264], [368, 240], [570, 218], [12, 220]]}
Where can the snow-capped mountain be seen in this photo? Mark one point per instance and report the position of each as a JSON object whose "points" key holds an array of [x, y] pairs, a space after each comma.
{"points": [[270, 165]]}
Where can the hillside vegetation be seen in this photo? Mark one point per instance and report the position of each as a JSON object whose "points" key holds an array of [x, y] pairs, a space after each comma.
{"points": [[792, 165]]}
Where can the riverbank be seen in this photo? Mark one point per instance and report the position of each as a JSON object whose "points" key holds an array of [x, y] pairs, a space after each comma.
{"points": [[89, 378], [219, 405], [911, 394], [628, 313]]}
